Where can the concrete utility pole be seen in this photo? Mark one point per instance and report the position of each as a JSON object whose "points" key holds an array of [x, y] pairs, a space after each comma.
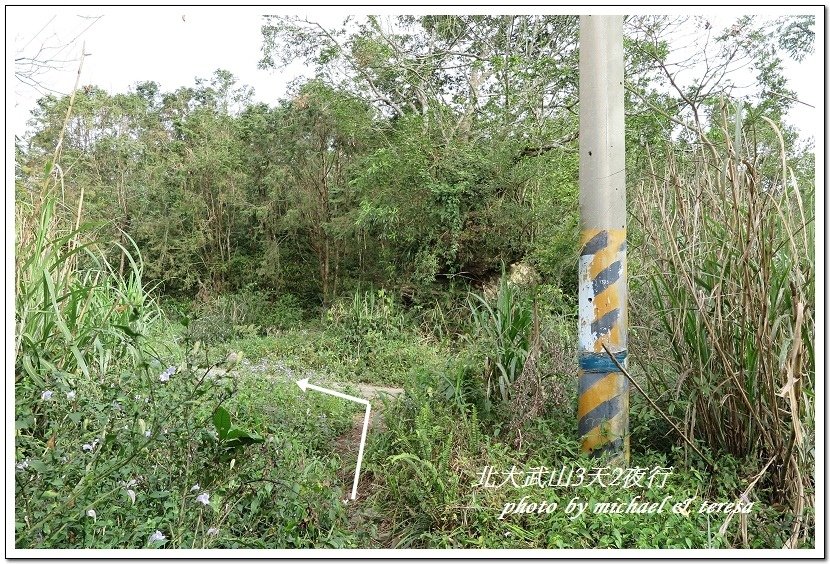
{"points": [[603, 290]]}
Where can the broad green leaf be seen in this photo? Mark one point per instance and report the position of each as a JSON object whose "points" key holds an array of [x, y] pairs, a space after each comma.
{"points": [[222, 422]]}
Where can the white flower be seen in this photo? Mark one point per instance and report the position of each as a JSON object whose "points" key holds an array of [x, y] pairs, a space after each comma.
{"points": [[157, 536], [23, 465], [131, 493], [203, 498], [165, 376], [91, 513], [195, 488], [147, 433], [70, 395], [89, 446], [213, 531], [46, 395]]}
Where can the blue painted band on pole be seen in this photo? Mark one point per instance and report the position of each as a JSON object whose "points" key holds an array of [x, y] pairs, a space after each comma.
{"points": [[600, 362]]}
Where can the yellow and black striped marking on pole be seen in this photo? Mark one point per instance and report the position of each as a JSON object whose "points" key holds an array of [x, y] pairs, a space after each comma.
{"points": [[603, 390]]}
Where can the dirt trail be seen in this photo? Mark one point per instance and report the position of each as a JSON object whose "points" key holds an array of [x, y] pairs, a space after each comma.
{"points": [[347, 444], [361, 517], [276, 370], [371, 391]]}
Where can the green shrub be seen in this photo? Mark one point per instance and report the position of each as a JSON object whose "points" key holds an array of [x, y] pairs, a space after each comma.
{"points": [[113, 450], [427, 466], [285, 312], [414, 462], [110, 465]]}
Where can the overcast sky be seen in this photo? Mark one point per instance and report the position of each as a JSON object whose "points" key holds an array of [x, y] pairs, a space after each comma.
{"points": [[174, 45]]}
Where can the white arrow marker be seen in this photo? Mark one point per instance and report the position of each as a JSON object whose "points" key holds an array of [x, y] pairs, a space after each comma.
{"points": [[304, 385]]}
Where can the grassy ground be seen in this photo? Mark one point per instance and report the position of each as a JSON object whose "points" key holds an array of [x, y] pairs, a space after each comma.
{"points": [[420, 485], [210, 443]]}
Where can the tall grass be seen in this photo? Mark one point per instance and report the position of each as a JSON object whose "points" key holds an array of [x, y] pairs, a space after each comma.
{"points": [[367, 312], [74, 314], [503, 326], [732, 269]]}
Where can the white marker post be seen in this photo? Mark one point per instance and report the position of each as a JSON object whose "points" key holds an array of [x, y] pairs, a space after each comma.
{"points": [[304, 385]]}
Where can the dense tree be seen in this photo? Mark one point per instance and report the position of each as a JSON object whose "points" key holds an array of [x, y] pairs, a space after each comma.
{"points": [[424, 150], [322, 130]]}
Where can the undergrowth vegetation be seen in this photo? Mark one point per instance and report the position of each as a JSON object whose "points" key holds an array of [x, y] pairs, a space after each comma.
{"points": [[427, 470], [122, 442]]}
